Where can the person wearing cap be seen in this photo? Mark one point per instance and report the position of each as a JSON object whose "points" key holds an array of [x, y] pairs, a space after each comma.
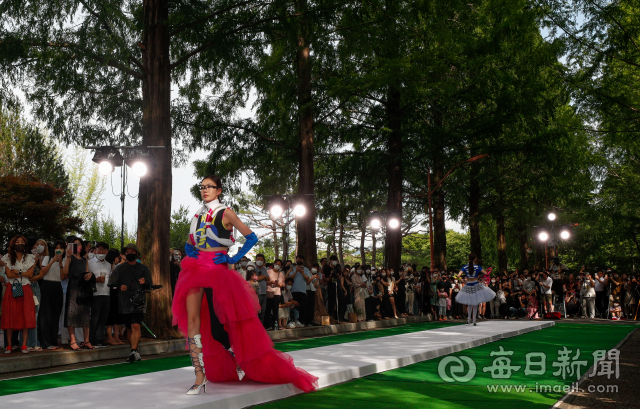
{"points": [[128, 278]]}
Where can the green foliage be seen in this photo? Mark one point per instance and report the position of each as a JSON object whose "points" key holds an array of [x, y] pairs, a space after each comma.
{"points": [[34, 209], [416, 249], [86, 184], [106, 229], [179, 230]]}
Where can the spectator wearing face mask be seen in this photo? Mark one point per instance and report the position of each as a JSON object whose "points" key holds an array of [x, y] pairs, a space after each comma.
{"points": [[314, 296], [588, 296], [359, 289], [252, 278], [401, 292], [40, 251], [301, 277], [274, 293], [287, 305], [115, 322], [78, 305], [51, 298], [494, 305], [101, 300], [174, 268], [18, 307], [263, 280], [332, 272]]}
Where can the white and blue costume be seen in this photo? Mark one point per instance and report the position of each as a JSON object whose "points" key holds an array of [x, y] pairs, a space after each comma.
{"points": [[474, 292]]}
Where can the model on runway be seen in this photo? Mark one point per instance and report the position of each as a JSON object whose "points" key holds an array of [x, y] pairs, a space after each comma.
{"points": [[474, 292], [226, 339]]}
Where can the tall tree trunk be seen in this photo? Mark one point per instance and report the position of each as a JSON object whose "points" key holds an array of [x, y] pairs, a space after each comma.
{"points": [[502, 244], [154, 203], [474, 215], [340, 252], [276, 244], [306, 182], [439, 229], [393, 242], [373, 248], [335, 249], [285, 243], [363, 234], [524, 247]]}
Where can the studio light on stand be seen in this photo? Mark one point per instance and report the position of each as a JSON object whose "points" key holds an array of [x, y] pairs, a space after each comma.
{"points": [[375, 221], [394, 223], [107, 158], [551, 216], [565, 234], [543, 236], [299, 210], [140, 160]]}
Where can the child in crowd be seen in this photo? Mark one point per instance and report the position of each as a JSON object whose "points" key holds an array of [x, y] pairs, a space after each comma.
{"points": [[442, 304]]}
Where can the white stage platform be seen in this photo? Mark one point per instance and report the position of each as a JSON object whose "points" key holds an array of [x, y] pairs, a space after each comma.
{"points": [[332, 364]]}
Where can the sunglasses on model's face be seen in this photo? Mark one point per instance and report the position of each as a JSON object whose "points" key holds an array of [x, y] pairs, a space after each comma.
{"points": [[207, 187]]}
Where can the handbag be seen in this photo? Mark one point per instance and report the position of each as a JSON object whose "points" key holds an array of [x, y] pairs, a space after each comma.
{"points": [[16, 289]]}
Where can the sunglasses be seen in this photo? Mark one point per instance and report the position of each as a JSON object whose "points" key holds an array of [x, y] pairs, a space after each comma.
{"points": [[207, 187]]}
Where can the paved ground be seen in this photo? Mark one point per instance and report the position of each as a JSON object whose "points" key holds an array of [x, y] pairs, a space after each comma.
{"points": [[626, 395]]}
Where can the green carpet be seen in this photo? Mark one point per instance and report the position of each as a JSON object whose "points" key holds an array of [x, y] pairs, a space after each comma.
{"points": [[80, 376], [419, 385]]}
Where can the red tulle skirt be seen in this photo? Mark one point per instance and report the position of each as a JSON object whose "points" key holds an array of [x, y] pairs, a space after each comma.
{"points": [[236, 305]]}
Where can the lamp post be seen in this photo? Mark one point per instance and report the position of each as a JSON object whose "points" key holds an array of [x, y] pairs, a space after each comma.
{"points": [[389, 219], [551, 239], [138, 158], [431, 191], [281, 204]]}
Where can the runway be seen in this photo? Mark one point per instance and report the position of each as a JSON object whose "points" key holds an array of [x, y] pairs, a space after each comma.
{"points": [[332, 364]]}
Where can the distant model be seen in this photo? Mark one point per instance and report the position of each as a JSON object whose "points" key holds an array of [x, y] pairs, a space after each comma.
{"points": [[224, 334], [474, 292]]}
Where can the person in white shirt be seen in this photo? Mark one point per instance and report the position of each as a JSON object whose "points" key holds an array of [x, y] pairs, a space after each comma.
{"points": [[601, 293], [101, 300], [547, 282], [51, 297], [588, 296], [274, 289], [18, 307]]}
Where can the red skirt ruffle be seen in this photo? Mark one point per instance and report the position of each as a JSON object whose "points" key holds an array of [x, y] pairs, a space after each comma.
{"points": [[18, 313], [236, 305]]}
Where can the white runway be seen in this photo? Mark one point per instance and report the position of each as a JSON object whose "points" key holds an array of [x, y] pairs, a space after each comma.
{"points": [[332, 364]]}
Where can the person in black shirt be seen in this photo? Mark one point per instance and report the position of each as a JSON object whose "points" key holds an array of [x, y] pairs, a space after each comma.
{"points": [[129, 278], [174, 269]]}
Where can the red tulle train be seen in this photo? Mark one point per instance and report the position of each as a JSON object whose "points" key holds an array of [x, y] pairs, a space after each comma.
{"points": [[236, 305]]}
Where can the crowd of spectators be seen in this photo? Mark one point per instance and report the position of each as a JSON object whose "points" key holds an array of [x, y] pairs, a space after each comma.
{"points": [[84, 288], [74, 284]]}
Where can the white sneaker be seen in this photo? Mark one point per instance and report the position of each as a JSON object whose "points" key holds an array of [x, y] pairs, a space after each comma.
{"points": [[299, 324], [290, 325]]}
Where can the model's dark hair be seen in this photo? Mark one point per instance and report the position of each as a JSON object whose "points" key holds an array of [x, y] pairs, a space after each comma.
{"points": [[215, 178], [472, 257]]}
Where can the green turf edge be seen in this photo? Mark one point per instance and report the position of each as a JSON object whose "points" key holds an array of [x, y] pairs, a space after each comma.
{"points": [[82, 376], [419, 385]]}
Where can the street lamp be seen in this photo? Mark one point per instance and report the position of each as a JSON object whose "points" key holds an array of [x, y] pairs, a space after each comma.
{"points": [[138, 158], [551, 239], [565, 234], [283, 205], [276, 211], [551, 216], [394, 223], [543, 236], [299, 210]]}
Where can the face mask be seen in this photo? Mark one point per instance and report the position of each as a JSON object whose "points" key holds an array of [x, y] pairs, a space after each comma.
{"points": [[250, 268], [384, 274], [368, 271], [101, 256], [244, 264], [359, 271], [276, 267], [20, 248], [334, 263], [289, 287], [39, 249], [314, 270], [131, 257], [493, 281], [299, 263], [259, 263], [91, 256]]}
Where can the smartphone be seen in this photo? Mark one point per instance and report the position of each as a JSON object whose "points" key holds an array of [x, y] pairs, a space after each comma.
{"points": [[74, 247]]}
